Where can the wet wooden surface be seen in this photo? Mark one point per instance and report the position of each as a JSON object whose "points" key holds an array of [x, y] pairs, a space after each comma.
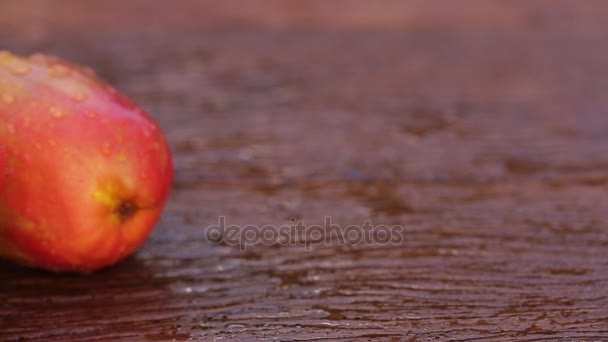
{"points": [[479, 128]]}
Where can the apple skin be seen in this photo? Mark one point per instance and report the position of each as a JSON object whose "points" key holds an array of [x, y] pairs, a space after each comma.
{"points": [[2, 166], [85, 172]]}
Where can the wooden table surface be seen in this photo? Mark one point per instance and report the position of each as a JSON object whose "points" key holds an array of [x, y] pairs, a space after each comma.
{"points": [[479, 127]]}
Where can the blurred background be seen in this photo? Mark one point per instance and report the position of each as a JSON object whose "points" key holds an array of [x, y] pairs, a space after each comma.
{"points": [[39, 16]]}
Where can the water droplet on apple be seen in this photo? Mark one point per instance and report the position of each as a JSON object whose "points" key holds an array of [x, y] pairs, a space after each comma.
{"points": [[78, 97], [19, 68], [112, 90], [92, 115], [8, 98], [52, 142], [58, 70], [57, 112], [38, 58], [10, 128]]}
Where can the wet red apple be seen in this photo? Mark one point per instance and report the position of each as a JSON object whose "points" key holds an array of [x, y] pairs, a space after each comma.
{"points": [[2, 165], [86, 171]]}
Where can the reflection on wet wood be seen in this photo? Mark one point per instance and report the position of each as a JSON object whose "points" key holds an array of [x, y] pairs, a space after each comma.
{"points": [[486, 146]]}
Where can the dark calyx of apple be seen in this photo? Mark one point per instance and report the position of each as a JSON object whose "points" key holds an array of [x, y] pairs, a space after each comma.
{"points": [[125, 209]]}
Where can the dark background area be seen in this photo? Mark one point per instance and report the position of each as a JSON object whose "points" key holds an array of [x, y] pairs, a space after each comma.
{"points": [[479, 126]]}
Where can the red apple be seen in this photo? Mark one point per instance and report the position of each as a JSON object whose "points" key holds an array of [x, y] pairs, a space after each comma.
{"points": [[87, 170], [2, 165]]}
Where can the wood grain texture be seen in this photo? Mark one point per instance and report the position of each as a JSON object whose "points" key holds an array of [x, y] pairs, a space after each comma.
{"points": [[487, 144]]}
